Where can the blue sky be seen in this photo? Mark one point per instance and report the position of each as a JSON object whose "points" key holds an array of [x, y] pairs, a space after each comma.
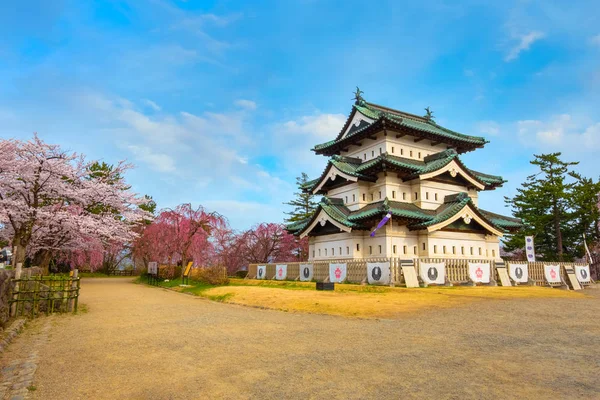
{"points": [[218, 102]]}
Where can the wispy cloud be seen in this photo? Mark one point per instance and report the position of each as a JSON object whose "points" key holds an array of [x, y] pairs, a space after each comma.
{"points": [[325, 126], [524, 42], [247, 104], [151, 104], [560, 132], [157, 161], [488, 128]]}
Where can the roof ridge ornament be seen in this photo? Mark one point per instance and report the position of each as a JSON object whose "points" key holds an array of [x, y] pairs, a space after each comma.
{"points": [[428, 115], [358, 99]]}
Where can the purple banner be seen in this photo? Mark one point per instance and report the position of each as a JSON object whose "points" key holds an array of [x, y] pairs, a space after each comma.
{"points": [[382, 223]]}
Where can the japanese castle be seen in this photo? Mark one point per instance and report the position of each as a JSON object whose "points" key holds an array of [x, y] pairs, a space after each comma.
{"points": [[389, 162]]}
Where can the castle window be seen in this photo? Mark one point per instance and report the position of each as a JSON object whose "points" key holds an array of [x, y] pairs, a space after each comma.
{"points": [[403, 196], [471, 251], [365, 156], [380, 151], [462, 250], [401, 151], [372, 153], [426, 195], [333, 251], [415, 250], [353, 198], [480, 251], [435, 196], [444, 249], [410, 153], [347, 249], [357, 247], [379, 249], [346, 199], [419, 154], [394, 249], [423, 245], [319, 252], [370, 249], [416, 196], [493, 253], [487, 254], [434, 249], [393, 194], [404, 249], [392, 149], [340, 251], [364, 197], [380, 195], [313, 254], [453, 249], [372, 196]]}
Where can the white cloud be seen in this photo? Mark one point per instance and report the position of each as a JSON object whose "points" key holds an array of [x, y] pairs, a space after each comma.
{"points": [[157, 161], [247, 104], [489, 128], [561, 132], [325, 126], [151, 104], [524, 43]]}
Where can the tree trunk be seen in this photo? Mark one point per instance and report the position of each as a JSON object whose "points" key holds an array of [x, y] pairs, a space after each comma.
{"points": [[19, 251], [559, 241]]}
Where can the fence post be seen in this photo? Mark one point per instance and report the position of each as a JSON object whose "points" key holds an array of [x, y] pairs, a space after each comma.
{"points": [[13, 308], [73, 289]]}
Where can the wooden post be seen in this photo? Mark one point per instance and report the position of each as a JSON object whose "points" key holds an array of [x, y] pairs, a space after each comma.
{"points": [[13, 308], [72, 289]]}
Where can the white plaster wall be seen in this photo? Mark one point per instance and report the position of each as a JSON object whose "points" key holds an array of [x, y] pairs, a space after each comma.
{"points": [[401, 147]]}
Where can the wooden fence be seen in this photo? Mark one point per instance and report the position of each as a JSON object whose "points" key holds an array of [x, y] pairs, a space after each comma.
{"points": [[457, 270], [33, 295]]}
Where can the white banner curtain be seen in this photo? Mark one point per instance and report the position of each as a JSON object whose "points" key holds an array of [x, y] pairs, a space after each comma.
{"points": [[306, 272], [552, 273], [530, 248], [378, 273], [582, 273], [479, 272], [261, 272], [281, 272], [518, 272], [337, 272], [433, 273]]}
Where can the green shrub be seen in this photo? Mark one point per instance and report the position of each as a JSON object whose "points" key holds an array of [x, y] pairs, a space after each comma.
{"points": [[241, 274]]}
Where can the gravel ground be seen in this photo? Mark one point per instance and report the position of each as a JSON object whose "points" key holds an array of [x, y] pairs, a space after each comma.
{"points": [[137, 342]]}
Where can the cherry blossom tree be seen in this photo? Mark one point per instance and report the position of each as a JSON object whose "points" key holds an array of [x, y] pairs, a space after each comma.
{"points": [[269, 242], [52, 199]]}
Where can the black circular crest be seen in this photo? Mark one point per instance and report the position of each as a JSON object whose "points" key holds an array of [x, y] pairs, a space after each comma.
{"points": [[306, 272], [376, 273], [519, 272], [432, 273], [584, 274]]}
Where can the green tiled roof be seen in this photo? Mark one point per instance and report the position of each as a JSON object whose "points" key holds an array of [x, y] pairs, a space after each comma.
{"points": [[402, 119], [355, 167], [453, 204]]}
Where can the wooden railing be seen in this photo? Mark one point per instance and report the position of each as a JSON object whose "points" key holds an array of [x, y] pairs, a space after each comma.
{"points": [[457, 270]]}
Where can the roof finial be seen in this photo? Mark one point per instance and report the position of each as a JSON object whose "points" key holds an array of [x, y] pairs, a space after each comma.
{"points": [[429, 114], [358, 96]]}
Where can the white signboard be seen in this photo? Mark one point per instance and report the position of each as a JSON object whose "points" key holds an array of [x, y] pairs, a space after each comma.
{"points": [[306, 272], [281, 272], [518, 272], [261, 272], [433, 273], [152, 268], [378, 273], [552, 273], [582, 273], [529, 248], [337, 272], [479, 272]]}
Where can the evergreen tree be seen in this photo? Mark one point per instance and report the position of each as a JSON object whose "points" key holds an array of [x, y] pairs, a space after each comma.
{"points": [[584, 200], [304, 204], [543, 203]]}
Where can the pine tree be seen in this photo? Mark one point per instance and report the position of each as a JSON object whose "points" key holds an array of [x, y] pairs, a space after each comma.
{"points": [[543, 204], [304, 204], [584, 200]]}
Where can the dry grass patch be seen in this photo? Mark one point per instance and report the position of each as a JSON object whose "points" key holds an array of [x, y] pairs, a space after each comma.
{"points": [[367, 301]]}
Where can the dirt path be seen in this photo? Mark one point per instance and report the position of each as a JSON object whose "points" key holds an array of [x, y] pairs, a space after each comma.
{"points": [[137, 342]]}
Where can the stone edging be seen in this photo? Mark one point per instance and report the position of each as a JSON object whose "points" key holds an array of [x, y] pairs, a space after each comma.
{"points": [[11, 333]]}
